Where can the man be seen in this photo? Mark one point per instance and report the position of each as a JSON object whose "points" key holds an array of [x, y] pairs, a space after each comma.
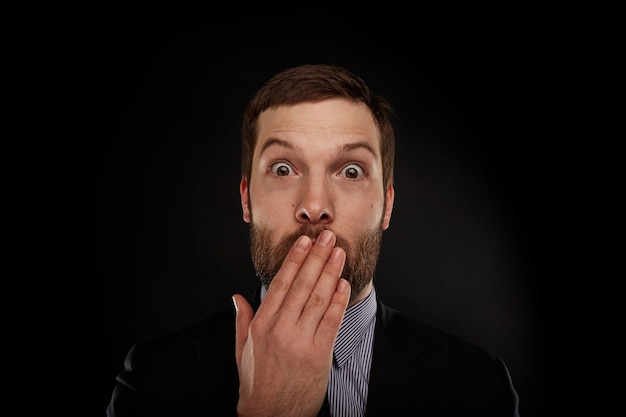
{"points": [[317, 191]]}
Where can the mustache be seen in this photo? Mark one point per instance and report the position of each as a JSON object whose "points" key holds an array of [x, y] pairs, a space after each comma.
{"points": [[313, 231]]}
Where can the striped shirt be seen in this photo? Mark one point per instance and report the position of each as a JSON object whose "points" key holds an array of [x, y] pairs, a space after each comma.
{"points": [[352, 357]]}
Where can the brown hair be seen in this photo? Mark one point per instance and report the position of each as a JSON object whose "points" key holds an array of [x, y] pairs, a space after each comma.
{"points": [[315, 83]]}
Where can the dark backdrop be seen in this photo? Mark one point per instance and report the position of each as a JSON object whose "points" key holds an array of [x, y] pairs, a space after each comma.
{"points": [[153, 173]]}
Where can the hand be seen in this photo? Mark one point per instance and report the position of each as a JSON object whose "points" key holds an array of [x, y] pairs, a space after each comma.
{"points": [[284, 352]]}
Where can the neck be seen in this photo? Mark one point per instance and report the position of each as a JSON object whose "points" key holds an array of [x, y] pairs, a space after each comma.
{"points": [[361, 295]]}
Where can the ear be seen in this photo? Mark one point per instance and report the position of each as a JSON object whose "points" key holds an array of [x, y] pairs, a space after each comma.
{"points": [[245, 199], [390, 194]]}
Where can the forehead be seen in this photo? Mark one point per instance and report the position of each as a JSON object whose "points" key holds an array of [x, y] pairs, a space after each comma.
{"points": [[327, 123]]}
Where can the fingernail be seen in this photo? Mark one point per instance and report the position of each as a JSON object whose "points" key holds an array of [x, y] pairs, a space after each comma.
{"points": [[235, 304], [343, 286], [303, 243], [335, 255], [325, 238]]}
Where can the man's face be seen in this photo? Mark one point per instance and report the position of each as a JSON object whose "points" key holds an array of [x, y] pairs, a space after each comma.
{"points": [[317, 166]]}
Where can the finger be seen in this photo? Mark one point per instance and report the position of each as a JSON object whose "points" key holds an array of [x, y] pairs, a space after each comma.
{"points": [[309, 275], [328, 328], [323, 292], [242, 324], [284, 278]]}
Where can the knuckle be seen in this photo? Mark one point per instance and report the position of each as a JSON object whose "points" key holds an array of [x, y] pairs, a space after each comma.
{"points": [[278, 285], [293, 259], [332, 270], [257, 328], [317, 300], [319, 253]]}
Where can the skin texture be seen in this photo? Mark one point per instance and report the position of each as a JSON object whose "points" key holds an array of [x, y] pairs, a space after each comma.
{"points": [[316, 167]]}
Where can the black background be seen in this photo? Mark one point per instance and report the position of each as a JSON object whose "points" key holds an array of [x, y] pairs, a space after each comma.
{"points": [[150, 161]]}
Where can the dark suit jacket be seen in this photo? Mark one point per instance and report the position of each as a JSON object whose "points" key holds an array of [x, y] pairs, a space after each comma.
{"points": [[417, 370]]}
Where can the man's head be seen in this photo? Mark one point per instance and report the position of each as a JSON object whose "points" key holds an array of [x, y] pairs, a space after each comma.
{"points": [[317, 153], [311, 83]]}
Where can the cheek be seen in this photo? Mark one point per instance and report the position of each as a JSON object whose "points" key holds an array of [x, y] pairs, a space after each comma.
{"points": [[364, 217], [270, 210]]}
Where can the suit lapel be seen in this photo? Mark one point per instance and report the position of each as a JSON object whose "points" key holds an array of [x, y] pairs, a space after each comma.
{"points": [[400, 378]]}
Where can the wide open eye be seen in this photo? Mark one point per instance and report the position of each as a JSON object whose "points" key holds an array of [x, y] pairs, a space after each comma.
{"points": [[282, 169], [352, 171]]}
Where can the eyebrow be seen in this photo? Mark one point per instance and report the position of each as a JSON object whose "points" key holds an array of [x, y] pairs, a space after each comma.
{"points": [[358, 145], [278, 142], [345, 148]]}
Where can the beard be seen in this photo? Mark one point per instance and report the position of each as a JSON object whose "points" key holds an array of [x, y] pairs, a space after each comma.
{"points": [[361, 255]]}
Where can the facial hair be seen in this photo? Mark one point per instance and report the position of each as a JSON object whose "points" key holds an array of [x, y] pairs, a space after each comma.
{"points": [[361, 255]]}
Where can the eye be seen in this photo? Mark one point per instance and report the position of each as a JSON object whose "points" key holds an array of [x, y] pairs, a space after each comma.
{"points": [[352, 171], [282, 169]]}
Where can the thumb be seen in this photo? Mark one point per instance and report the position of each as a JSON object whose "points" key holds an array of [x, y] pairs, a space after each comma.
{"points": [[244, 313]]}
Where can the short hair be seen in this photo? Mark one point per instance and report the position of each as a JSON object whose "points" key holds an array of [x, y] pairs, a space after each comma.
{"points": [[312, 83]]}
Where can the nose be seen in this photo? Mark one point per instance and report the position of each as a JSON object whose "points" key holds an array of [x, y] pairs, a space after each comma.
{"points": [[315, 204]]}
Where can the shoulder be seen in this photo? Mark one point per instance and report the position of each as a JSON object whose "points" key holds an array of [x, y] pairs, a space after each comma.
{"points": [[210, 336], [399, 325], [216, 330], [412, 337], [186, 372], [455, 373], [206, 344]]}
